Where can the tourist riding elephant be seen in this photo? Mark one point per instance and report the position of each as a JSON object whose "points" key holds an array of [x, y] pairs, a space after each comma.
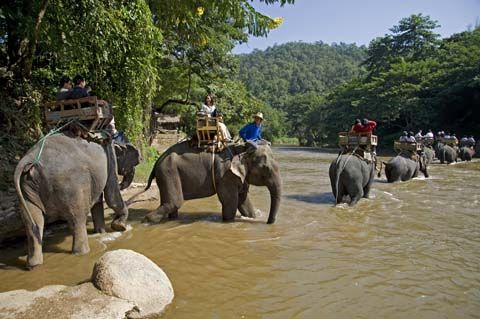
{"points": [[351, 175], [404, 167], [186, 172], [466, 153], [446, 153], [63, 177]]}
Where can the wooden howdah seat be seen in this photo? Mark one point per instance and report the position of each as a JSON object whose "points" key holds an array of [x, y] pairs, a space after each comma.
{"points": [[209, 132], [349, 140], [450, 141], [427, 141], [89, 111], [360, 144], [407, 146]]}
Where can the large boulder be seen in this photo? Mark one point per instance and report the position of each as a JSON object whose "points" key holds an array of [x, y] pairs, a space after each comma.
{"points": [[128, 275]]}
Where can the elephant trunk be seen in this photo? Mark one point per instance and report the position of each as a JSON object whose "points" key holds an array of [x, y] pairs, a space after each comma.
{"points": [[275, 189], [127, 179]]}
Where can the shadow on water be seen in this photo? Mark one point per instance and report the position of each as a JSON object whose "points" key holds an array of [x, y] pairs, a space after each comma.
{"points": [[322, 198]]}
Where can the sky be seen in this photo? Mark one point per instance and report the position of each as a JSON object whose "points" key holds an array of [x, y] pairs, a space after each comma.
{"points": [[357, 21]]}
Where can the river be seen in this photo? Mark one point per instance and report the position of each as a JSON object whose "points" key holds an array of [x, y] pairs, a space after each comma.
{"points": [[411, 251]]}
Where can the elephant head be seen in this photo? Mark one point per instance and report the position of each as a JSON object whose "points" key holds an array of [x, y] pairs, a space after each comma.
{"points": [[255, 165], [127, 158]]}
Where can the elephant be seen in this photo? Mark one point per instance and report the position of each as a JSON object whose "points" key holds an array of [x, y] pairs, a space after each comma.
{"points": [[351, 175], [185, 172], [466, 153], [403, 167], [446, 153], [66, 177], [429, 155]]}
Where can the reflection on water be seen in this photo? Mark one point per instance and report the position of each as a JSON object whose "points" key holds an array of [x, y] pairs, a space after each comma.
{"points": [[411, 251]]}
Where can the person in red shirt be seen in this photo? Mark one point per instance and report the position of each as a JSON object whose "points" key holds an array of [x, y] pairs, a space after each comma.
{"points": [[365, 127]]}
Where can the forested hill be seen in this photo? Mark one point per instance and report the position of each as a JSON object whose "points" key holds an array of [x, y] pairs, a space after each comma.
{"points": [[297, 67]]}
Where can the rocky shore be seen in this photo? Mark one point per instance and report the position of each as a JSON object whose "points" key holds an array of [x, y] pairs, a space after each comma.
{"points": [[124, 284]]}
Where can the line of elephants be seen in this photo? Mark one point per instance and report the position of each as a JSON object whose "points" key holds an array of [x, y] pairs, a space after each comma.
{"points": [[65, 177], [351, 176]]}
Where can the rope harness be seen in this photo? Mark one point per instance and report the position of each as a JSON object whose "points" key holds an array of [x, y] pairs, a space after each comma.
{"points": [[44, 139]]}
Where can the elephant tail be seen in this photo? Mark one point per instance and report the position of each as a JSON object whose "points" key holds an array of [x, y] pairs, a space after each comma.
{"points": [[20, 171]]}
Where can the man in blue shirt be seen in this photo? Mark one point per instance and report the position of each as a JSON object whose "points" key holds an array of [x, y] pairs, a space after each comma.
{"points": [[252, 131]]}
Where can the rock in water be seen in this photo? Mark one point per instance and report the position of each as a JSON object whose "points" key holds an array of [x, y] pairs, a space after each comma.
{"points": [[128, 275]]}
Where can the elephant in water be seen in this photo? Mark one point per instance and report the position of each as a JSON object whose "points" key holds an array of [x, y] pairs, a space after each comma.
{"points": [[351, 175], [429, 155], [66, 178], [404, 167], [466, 153], [446, 153], [186, 172]]}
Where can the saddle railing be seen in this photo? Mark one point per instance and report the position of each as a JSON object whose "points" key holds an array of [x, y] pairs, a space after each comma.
{"points": [[93, 113]]}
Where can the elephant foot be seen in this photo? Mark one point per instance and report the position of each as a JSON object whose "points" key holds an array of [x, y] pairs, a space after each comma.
{"points": [[118, 225], [81, 251], [32, 265], [153, 218], [99, 230]]}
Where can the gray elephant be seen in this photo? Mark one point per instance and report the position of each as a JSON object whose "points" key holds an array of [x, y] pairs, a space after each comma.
{"points": [[186, 172], [64, 177], [404, 167], [466, 153], [429, 155], [351, 175], [446, 153]]}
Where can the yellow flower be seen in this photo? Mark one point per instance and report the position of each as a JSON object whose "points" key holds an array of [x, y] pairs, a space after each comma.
{"points": [[200, 11], [275, 22]]}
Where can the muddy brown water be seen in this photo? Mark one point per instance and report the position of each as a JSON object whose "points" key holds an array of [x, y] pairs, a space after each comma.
{"points": [[412, 251]]}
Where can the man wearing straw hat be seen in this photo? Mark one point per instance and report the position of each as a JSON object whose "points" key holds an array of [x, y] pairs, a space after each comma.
{"points": [[252, 131]]}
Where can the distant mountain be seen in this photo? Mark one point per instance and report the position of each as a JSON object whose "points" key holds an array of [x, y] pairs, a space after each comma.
{"points": [[282, 71]]}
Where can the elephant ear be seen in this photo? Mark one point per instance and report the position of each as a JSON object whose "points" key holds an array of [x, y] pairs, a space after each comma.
{"points": [[238, 168]]}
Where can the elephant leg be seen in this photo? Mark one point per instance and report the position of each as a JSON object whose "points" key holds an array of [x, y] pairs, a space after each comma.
{"points": [[341, 191], [366, 189], [98, 216], [171, 197], [355, 191], [115, 201], [245, 206], [77, 223], [165, 209], [35, 253]]}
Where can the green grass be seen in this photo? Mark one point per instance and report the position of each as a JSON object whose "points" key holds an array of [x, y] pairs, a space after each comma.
{"points": [[286, 140]]}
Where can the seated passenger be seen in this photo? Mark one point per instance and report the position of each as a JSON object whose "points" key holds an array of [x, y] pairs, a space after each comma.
{"points": [[252, 131], [65, 89], [403, 137], [357, 122], [429, 135], [209, 107], [419, 135], [365, 127], [223, 128], [79, 90], [410, 138]]}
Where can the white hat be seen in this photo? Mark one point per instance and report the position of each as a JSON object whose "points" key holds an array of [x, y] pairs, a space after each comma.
{"points": [[259, 115]]}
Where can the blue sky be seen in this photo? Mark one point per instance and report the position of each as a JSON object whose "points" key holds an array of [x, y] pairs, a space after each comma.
{"points": [[358, 21]]}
